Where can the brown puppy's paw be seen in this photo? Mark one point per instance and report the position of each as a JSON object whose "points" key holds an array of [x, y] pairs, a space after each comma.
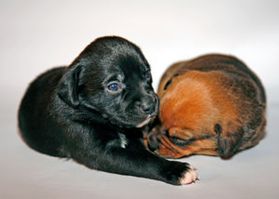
{"points": [[180, 173]]}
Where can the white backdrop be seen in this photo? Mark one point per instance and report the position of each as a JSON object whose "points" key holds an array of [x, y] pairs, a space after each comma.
{"points": [[36, 35]]}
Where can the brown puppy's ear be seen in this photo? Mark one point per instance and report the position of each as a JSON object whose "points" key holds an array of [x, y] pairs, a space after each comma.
{"points": [[68, 86]]}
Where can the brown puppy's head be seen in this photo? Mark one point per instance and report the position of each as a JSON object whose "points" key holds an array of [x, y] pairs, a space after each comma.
{"points": [[110, 82], [211, 105], [184, 106]]}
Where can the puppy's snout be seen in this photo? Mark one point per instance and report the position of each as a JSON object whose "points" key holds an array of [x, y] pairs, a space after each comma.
{"points": [[153, 142], [148, 106], [154, 138]]}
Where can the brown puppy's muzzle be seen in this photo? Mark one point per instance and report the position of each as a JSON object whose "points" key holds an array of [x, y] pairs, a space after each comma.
{"points": [[175, 143], [160, 142], [153, 138]]}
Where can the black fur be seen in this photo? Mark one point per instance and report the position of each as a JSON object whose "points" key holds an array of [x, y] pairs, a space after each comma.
{"points": [[70, 112]]}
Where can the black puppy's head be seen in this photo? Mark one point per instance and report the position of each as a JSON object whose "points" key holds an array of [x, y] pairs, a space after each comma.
{"points": [[111, 77]]}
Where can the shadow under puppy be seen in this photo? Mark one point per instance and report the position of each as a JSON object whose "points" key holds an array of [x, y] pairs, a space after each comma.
{"points": [[211, 105], [93, 112]]}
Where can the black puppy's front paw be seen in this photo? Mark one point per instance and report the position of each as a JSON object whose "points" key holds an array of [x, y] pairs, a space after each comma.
{"points": [[180, 173]]}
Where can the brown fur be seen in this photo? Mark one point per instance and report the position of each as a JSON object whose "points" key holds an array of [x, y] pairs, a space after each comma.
{"points": [[211, 105]]}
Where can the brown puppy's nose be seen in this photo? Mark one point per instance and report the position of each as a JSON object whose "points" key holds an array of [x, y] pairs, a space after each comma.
{"points": [[153, 142], [154, 138]]}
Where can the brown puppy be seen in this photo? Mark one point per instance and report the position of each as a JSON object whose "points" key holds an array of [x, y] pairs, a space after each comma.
{"points": [[211, 105]]}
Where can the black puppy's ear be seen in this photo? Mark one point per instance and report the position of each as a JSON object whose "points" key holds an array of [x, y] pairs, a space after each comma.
{"points": [[68, 86]]}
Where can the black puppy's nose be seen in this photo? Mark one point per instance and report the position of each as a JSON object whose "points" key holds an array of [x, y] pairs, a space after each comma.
{"points": [[147, 107]]}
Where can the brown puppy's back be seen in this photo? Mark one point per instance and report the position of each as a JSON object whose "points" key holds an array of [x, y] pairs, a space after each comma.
{"points": [[215, 102]]}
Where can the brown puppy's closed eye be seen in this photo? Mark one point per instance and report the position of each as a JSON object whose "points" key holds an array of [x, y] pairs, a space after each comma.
{"points": [[211, 105]]}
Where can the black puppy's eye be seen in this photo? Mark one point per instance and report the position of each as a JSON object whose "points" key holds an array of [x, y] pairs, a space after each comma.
{"points": [[114, 87]]}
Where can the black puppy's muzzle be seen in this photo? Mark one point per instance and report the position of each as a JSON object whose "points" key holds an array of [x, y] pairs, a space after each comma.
{"points": [[149, 105]]}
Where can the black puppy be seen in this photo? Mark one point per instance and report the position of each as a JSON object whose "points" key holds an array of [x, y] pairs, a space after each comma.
{"points": [[93, 112]]}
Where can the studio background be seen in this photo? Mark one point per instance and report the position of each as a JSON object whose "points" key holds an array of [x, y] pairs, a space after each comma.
{"points": [[37, 35]]}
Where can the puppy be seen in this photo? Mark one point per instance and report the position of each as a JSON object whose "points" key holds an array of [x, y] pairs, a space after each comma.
{"points": [[211, 105], [93, 112]]}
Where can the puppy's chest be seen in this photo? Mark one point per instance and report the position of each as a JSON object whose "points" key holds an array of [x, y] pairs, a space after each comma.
{"points": [[121, 141]]}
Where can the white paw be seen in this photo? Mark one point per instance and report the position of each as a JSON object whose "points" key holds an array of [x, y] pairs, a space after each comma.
{"points": [[189, 177]]}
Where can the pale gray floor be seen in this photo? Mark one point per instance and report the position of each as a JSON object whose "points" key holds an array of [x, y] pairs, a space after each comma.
{"points": [[27, 174], [38, 34]]}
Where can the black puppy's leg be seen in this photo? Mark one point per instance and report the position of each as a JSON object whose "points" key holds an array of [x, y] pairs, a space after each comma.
{"points": [[135, 160]]}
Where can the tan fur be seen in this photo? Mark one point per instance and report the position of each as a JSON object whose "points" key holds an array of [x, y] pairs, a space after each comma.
{"points": [[199, 95]]}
